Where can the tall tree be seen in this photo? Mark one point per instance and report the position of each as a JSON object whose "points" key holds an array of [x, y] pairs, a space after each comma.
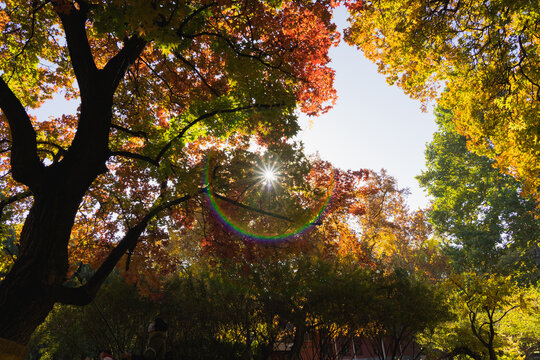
{"points": [[486, 54], [156, 81], [487, 224]]}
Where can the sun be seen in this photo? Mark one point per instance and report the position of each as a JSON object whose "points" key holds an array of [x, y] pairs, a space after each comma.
{"points": [[268, 175]]}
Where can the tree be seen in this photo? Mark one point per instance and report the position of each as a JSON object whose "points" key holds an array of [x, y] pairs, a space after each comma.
{"points": [[399, 307], [480, 304], [117, 320], [486, 223], [486, 54], [521, 329], [236, 296], [366, 269], [158, 82], [396, 236]]}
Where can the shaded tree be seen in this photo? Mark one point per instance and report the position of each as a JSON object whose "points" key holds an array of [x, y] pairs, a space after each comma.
{"points": [[480, 304]]}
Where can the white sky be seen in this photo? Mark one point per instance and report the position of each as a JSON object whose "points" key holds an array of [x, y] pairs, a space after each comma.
{"points": [[373, 125]]}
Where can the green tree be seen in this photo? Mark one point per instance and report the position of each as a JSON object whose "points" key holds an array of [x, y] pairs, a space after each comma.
{"points": [[117, 319], [521, 329], [400, 307], [480, 304], [485, 222]]}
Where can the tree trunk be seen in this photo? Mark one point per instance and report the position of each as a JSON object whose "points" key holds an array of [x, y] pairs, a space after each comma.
{"points": [[28, 292], [30, 289], [34, 284], [298, 342]]}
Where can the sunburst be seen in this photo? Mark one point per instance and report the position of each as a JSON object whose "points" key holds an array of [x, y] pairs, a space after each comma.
{"points": [[268, 175]]}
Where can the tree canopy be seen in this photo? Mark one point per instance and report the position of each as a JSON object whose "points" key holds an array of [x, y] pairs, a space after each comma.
{"points": [[161, 85], [485, 221], [484, 53]]}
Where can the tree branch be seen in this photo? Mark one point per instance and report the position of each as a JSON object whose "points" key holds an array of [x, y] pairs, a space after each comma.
{"points": [[12, 199], [74, 21], [140, 134], [135, 156], [25, 164], [35, 9], [192, 66], [155, 161], [83, 295], [206, 116], [258, 56], [251, 208], [118, 65]]}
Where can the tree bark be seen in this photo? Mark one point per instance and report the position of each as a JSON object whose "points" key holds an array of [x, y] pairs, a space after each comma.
{"points": [[27, 294], [36, 279]]}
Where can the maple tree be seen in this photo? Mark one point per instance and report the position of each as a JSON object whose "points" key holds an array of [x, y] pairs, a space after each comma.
{"points": [[485, 53], [159, 84]]}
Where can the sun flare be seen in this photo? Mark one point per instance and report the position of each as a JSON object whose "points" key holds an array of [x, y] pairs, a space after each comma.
{"points": [[268, 175]]}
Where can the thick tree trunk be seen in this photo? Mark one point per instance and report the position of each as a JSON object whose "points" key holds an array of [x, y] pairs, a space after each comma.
{"points": [[34, 283], [29, 290]]}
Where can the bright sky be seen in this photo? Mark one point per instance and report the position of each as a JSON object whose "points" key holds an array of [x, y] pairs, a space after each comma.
{"points": [[373, 125]]}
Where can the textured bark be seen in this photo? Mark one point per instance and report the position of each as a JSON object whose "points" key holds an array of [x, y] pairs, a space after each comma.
{"points": [[27, 293]]}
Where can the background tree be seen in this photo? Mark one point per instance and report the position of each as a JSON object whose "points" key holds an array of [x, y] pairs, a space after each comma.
{"points": [[399, 308], [486, 54], [155, 81], [521, 329], [396, 236], [223, 309], [480, 304], [117, 319], [485, 222]]}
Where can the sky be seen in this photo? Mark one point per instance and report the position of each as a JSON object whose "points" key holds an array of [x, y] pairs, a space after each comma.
{"points": [[373, 125]]}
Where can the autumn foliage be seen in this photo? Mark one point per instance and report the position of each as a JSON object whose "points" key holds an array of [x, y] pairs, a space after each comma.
{"points": [[159, 84], [478, 58]]}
